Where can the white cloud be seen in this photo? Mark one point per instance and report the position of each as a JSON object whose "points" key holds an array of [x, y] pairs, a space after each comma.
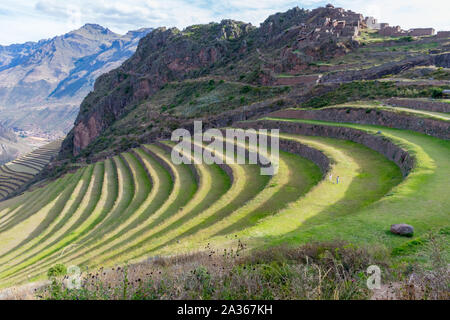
{"points": [[31, 20]]}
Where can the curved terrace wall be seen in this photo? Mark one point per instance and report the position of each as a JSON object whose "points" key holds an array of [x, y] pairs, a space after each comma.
{"points": [[419, 104], [314, 155], [378, 143], [168, 149], [432, 127]]}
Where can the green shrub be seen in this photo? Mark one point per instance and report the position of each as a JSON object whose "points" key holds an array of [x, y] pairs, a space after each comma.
{"points": [[408, 247], [57, 271], [436, 93], [406, 38], [246, 89]]}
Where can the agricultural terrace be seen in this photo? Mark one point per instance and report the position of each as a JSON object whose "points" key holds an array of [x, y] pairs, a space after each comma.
{"points": [[138, 205]]}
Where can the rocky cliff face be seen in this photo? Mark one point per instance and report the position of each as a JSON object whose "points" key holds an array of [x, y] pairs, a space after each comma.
{"points": [[305, 36], [296, 37], [39, 78]]}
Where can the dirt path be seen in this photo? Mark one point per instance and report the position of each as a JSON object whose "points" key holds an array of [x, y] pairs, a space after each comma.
{"points": [[23, 292]]}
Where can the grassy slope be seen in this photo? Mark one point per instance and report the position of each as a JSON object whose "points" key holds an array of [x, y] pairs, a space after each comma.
{"points": [[127, 200], [179, 101], [213, 183], [370, 90], [69, 230], [295, 178], [72, 212], [55, 221], [422, 200]]}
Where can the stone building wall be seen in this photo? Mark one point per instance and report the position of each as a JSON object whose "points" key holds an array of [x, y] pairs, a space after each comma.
{"points": [[443, 34], [418, 32], [392, 31]]}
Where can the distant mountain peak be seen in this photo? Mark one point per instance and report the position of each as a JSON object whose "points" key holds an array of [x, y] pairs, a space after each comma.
{"points": [[93, 25], [93, 29]]}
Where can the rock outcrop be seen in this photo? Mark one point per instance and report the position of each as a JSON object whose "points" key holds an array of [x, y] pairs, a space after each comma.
{"points": [[402, 229], [442, 60], [320, 34]]}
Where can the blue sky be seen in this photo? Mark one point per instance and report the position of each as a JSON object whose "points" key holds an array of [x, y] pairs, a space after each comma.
{"points": [[32, 20]]}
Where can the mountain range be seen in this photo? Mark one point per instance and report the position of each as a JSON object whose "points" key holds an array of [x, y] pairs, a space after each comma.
{"points": [[42, 83]]}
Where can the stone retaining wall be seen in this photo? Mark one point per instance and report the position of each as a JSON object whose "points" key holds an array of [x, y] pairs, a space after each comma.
{"points": [[378, 143], [160, 161], [377, 72], [294, 80], [436, 128], [419, 104], [191, 166], [390, 68], [314, 155], [295, 147]]}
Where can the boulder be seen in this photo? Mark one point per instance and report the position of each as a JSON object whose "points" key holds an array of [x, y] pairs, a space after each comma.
{"points": [[402, 229]]}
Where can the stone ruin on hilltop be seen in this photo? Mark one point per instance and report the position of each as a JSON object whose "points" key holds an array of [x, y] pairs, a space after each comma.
{"points": [[395, 31]]}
